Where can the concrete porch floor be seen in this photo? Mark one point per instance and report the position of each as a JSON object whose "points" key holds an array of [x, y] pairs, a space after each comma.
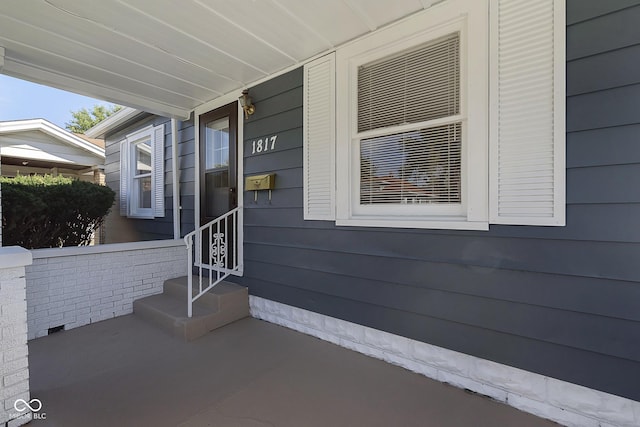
{"points": [[124, 372]]}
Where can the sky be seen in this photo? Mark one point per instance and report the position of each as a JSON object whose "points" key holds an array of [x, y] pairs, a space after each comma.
{"points": [[20, 99]]}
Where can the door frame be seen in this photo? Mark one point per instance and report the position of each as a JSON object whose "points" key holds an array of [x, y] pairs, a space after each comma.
{"points": [[202, 109]]}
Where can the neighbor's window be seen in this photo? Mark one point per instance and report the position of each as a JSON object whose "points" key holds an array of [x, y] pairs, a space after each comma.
{"points": [[141, 173], [141, 177]]}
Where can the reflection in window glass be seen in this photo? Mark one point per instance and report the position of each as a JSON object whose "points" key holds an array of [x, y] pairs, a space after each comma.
{"points": [[217, 144], [143, 157], [144, 192], [415, 167]]}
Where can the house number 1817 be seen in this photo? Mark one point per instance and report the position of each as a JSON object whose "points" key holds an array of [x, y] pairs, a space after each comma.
{"points": [[263, 144]]}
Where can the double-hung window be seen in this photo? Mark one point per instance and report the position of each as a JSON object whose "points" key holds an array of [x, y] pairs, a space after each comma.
{"points": [[142, 173], [431, 127]]}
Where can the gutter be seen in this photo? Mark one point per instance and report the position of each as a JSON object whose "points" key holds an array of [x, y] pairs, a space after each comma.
{"points": [[114, 121]]}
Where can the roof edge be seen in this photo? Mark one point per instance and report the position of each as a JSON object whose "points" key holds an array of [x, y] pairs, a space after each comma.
{"points": [[52, 130], [113, 122]]}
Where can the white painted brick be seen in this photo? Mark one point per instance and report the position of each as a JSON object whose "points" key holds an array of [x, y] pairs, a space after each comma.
{"points": [[14, 365], [15, 377], [343, 329], [11, 273], [16, 329], [307, 318], [360, 348], [15, 353], [452, 361], [10, 343], [544, 410], [469, 384], [388, 342], [592, 403], [515, 380], [422, 369], [13, 390], [399, 361], [14, 310], [18, 422], [10, 401]]}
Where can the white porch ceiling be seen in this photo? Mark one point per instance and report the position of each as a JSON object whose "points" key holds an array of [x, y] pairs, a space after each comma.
{"points": [[168, 56]]}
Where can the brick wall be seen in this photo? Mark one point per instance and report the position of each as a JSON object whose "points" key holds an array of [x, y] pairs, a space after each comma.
{"points": [[14, 363], [72, 287], [563, 402]]}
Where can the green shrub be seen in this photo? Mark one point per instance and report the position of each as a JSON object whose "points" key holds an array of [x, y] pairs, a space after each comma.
{"points": [[47, 211]]}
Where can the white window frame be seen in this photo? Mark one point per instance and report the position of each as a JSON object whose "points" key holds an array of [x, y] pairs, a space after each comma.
{"points": [[470, 18], [128, 190]]}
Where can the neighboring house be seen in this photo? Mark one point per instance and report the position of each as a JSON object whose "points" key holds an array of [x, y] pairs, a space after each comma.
{"points": [[37, 146], [521, 250]]}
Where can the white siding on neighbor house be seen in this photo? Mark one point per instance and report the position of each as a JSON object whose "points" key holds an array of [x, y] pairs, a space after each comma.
{"points": [[14, 363], [35, 145], [72, 287]]}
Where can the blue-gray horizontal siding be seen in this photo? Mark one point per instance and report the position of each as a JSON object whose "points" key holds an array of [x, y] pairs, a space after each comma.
{"points": [[559, 301]]}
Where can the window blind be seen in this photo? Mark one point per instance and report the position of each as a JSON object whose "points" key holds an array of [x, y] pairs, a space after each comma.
{"points": [[413, 86], [415, 167]]}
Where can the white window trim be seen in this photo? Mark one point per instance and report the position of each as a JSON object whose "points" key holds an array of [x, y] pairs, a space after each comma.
{"points": [[469, 18], [127, 172]]}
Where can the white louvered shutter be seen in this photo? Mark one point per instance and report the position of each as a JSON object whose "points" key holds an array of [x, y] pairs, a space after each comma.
{"points": [[124, 177], [157, 145], [319, 139], [528, 124]]}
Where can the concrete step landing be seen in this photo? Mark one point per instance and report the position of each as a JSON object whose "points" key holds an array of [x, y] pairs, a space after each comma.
{"points": [[225, 303]]}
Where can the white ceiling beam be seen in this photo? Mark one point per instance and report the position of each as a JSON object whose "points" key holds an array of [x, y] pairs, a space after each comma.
{"points": [[428, 3], [92, 89], [245, 30], [304, 24], [112, 56], [362, 14], [185, 34]]}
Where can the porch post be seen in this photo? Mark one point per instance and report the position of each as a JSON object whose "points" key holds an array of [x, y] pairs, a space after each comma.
{"points": [[15, 401]]}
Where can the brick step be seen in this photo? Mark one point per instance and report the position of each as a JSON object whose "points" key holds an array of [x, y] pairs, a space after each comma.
{"points": [[225, 303]]}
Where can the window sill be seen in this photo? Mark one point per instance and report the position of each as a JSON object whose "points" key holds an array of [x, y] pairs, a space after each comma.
{"points": [[140, 216], [436, 224]]}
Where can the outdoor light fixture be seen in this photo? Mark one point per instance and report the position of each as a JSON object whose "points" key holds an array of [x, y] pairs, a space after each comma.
{"points": [[247, 104]]}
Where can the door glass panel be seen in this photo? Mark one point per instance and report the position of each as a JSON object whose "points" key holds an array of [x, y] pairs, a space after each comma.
{"points": [[217, 144], [216, 157]]}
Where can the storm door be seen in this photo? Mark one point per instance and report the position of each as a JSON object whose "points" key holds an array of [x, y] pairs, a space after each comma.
{"points": [[218, 185], [218, 162]]}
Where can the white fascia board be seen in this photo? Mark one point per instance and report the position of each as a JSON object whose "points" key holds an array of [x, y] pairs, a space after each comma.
{"points": [[52, 130], [113, 122]]}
